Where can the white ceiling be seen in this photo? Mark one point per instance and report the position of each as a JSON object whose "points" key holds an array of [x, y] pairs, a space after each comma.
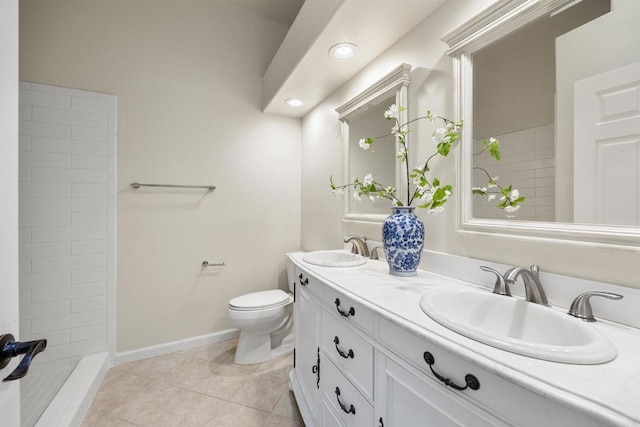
{"points": [[302, 67], [283, 11]]}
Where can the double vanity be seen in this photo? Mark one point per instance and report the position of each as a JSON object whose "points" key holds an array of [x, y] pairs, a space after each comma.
{"points": [[368, 352]]}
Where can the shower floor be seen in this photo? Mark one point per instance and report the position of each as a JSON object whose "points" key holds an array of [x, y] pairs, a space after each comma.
{"points": [[37, 390]]}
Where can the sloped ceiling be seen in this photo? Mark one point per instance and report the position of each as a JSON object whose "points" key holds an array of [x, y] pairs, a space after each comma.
{"points": [[302, 67]]}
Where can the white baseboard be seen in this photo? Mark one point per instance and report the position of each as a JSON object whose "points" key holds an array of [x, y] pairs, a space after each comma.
{"points": [[172, 347]]}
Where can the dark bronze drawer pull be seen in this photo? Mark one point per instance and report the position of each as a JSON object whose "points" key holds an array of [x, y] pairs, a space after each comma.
{"points": [[471, 381], [351, 312], [351, 410], [346, 355], [304, 282]]}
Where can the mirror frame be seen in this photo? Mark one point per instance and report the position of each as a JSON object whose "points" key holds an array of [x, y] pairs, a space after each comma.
{"points": [[395, 84], [499, 20]]}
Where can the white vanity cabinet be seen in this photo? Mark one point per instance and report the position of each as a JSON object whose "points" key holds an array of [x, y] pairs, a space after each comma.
{"points": [[357, 364]]}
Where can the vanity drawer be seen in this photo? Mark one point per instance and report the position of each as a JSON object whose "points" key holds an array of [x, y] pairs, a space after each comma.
{"points": [[350, 407], [519, 406], [350, 352], [347, 309], [307, 281]]}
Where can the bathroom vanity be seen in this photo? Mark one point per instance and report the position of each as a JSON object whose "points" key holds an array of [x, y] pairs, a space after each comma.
{"points": [[367, 355]]}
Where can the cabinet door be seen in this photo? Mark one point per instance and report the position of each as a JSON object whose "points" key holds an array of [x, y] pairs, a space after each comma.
{"points": [[307, 332], [405, 397]]}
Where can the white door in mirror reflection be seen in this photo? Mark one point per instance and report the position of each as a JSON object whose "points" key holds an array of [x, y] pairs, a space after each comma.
{"points": [[607, 147]]}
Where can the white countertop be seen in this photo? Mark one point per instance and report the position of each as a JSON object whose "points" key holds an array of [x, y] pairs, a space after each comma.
{"points": [[609, 392]]}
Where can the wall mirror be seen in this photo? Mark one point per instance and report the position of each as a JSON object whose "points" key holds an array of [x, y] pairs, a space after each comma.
{"points": [[558, 83], [363, 116]]}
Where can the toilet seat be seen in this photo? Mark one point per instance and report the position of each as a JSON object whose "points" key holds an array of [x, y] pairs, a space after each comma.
{"points": [[262, 300]]}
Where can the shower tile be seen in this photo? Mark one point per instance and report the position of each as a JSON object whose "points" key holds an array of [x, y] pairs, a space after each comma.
{"points": [[51, 130], [43, 99]]}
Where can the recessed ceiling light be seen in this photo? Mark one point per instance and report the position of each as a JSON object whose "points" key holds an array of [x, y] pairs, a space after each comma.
{"points": [[343, 51], [294, 102]]}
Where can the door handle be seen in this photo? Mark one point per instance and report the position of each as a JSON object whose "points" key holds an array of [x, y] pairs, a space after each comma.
{"points": [[9, 349]]}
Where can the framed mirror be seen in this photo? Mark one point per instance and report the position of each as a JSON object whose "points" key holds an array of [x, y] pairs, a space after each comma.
{"points": [[363, 116], [557, 82]]}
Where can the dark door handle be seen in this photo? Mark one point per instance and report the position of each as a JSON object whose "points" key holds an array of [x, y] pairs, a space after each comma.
{"points": [[9, 349]]}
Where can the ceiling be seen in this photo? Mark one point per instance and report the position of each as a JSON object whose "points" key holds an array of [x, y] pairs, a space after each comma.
{"points": [[302, 68], [283, 11]]}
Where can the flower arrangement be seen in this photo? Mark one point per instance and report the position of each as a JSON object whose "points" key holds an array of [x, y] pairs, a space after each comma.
{"points": [[429, 193]]}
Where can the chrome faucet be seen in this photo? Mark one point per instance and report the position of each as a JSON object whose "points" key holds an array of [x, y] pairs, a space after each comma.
{"points": [[359, 245], [532, 286]]}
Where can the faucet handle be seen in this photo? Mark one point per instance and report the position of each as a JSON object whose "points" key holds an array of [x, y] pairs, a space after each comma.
{"points": [[581, 307], [500, 287], [374, 252], [535, 270]]}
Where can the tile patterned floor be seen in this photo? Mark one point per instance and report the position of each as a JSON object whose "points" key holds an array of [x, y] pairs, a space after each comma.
{"points": [[196, 387]]}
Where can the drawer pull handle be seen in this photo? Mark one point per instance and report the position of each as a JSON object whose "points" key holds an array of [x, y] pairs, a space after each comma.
{"points": [[316, 369], [381, 423], [346, 355], [304, 282], [471, 381], [351, 410], [351, 312]]}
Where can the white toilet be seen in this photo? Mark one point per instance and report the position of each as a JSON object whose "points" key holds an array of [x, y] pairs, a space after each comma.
{"points": [[265, 321]]}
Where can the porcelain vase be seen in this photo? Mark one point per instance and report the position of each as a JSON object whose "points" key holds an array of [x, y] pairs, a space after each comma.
{"points": [[403, 240]]}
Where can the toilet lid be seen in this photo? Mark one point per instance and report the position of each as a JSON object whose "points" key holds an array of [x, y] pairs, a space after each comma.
{"points": [[260, 300]]}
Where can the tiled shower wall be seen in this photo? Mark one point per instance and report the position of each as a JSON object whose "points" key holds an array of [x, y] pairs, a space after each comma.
{"points": [[528, 162], [67, 222]]}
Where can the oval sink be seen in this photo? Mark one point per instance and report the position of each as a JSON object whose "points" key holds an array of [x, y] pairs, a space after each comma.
{"points": [[337, 258], [518, 326]]}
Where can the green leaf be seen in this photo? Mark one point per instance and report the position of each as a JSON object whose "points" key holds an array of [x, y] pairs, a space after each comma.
{"points": [[436, 182], [444, 148]]}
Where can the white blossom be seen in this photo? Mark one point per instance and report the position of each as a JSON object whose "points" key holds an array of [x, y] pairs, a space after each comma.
{"points": [[492, 182], [368, 179], [363, 144], [357, 196], [440, 136], [436, 210], [514, 195], [392, 112], [511, 208], [491, 197], [372, 198]]}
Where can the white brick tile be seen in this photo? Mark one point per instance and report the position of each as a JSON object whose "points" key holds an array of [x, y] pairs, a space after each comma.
{"points": [[88, 318], [68, 175], [54, 145], [546, 154], [25, 296], [24, 205], [73, 349], [89, 247], [89, 304], [53, 338], [45, 219], [111, 330], [24, 235], [89, 162], [546, 172], [25, 327], [89, 190], [54, 323], [44, 249], [88, 218], [84, 333], [89, 275], [68, 205], [46, 88], [68, 117], [24, 174], [24, 265], [29, 189], [73, 262], [51, 160], [50, 130], [39, 367], [45, 309], [24, 112], [89, 134], [40, 280], [91, 105], [545, 191], [111, 290], [78, 93], [24, 143], [57, 293], [44, 99], [57, 234]]}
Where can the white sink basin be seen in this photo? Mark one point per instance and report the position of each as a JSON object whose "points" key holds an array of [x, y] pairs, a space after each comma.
{"points": [[518, 326], [337, 258]]}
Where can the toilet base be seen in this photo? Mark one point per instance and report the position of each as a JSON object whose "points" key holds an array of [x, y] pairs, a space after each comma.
{"points": [[256, 348]]}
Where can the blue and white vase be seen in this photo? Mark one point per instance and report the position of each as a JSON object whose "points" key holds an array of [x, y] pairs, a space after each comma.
{"points": [[403, 240]]}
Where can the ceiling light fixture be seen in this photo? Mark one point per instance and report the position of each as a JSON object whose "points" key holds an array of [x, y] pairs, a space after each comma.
{"points": [[343, 51], [294, 102]]}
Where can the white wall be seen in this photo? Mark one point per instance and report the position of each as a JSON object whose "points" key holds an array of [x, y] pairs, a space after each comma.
{"points": [[67, 222], [187, 76], [432, 88]]}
